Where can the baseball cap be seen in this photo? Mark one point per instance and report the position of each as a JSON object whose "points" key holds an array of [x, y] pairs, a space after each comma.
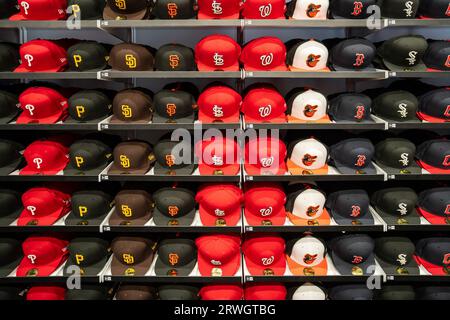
{"points": [[263, 291], [351, 107], [219, 204], [352, 54], [265, 156], [396, 292], [307, 257], [89, 254], [434, 156], [395, 255], [131, 105], [89, 292], [46, 293], [42, 56], [174, 57], [173, 106], [126, 10], [219, 103], [264, 103], [396, 205], [130, 57], [166, 161], [136, 292], [178, 292], [174, 207], [350, 207], [218, 255], [309, 55], [404, 53], [132, 157], [433, 293], [221, 292], [307, 106], [218, 156], [434, 255], [398, 105], [10, 156], [264, 255], [87, 56], [353, 254], [10, 255], [264, 9], [43, 207], [396, 156], [264, 54], [88, 106], [10, 206], [217, 53], [9, 106], [218, 9], [307, 156], [307, 291], [40, 10], [11, 293], [176, 257], [307, 207], [351, 292], [86, 9], [132, 207], [9, 56], [307, 9], [132, 256], [350, 9], [42, 256], [434, 205], [434, 9], [9, 7], [264, 205], [437, 56], [434, 106], [89, 208], [88, 157], [174, 9], [399, 9], [353, 156], [45, 157]]}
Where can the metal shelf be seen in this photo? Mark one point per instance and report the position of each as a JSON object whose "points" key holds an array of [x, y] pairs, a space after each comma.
{"points": [[423, 278], [425, 74], [109, 75], [55, 279], [419, 125], [301, 279], [312, 177], [416, 177], [144, 178], [51, 127], [419, 22], [419, 228], [45, 229], [376, 75], [317, 126], [167, 126], [166, 279], [42, 178], [48, 75], [173, 229], [313, 229]]}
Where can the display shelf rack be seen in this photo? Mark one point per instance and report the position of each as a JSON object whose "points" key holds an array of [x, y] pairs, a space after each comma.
{"points": [[301, 279], [168, 279], [170, 229], [313, 229], [149, 177]]}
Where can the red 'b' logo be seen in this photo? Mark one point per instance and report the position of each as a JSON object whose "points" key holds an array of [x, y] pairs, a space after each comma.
{"points": [[359, 60], [357, 259], [360, 111], [357, 8], [447, 111], [446, 258], [446, 161], [447, 210], [447, 62], [361, 161], [447, 13], [356, 211]]}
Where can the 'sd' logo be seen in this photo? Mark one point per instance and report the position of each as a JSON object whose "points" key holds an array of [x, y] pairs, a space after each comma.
{"points": [[172, 9], [359, 59], [77, 59], [170, 160], [173, 259], [82, 210], [79, 258], [128, 258], [80, 111], [357, 8], [127, 112], [313, 10], [174, 61], [126, 210], [360, 160], [121, 4], [171, 109], [79, 161], [130, 61], [312, 60], [124, 161], [172, 210]]}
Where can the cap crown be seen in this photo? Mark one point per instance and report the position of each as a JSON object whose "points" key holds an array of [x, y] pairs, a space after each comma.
{"points": [[132, 105], [42, 201], [308, 251], [42, 250], [133, 204], [309, 154], [405, 51], [308, 204], [395, 152], [396, 250], [350, 203], [434, 250], [351, 107], [174, 202], [42, 55], [219, 102], [87, 105], [395, 201], [354, 249], [131, 57], [177, 252], [436, 201], [45, 155], [87, 251], [40, 103], [42, 9], [354, 153], [396, 105], [10, 250], [220, 200], [131, 155], [165, 156], [435, 153], [174, 57], [89, 154], [309, 55], [263, 104], [174, 104], [9, 202], [218, 249], [9, 152], [436, 103], [356, 53], [264, 201], [264, 251], [351, 9], [90, 204], [132, 250], [264, 53], [308, 105], [270, 152], [217, 52]]}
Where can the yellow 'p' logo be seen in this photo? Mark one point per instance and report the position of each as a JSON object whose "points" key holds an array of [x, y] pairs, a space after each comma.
{"points": [[124, 161], [128, 258], [77, 59], [82, 210], [130, 61], [126, 111], [121, 4], [126, 210], [75, 10], [79, 161], [80, 110], [79, 258]]}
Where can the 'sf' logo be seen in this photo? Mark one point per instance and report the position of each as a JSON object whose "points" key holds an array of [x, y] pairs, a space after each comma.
{"points": [[171, 109], [29, 58], [173, 259], [30, 109], [25, 5], [359, 59], [172, 9], [265, 11], [32, 210], [37, 162], [170, 160], [173, 210], [357, 8], [32, 258], [360, 160], [174, 61]]}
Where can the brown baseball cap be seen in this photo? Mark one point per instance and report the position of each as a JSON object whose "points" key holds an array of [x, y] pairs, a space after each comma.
{"points": [[132, 157], [136, 292], [132, 105], [133, 207], [126, 9], [132, 256], [131, 57]]}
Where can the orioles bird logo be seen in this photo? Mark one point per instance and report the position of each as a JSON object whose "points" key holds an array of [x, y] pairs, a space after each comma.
{"points": [[361, 160], [171, 109], [357, 259], [308, 159], [310, 110], [170, 160], [309, 258], [312, 210], [313, 10], [173, 258], [172, 9], [313, 60], [173, 210], [174, 61]]}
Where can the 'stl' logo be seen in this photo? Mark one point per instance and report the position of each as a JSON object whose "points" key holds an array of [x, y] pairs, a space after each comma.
{"points": [[218, 59], [216, 7]]}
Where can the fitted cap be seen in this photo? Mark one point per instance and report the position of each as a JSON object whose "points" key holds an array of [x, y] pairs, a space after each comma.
{"points": [[354, 156], [88, 106], [307, 291], [221, 292], [395, 292], [434, 106], [306, 207], [434, 156], [264, 54], [10, 156], [350, 207], [395, 256], [307, 106], [396, 156], [167, 160], [46, 293], [352, 54], [264, 9], [88, 254], [42, 56], [433, 293], [11, 293], [132, 106], [176, 257], [88, 157], [265, 156], [264, 256], [434, 9], [399, 106], [9, 7], [174, 9], [263, 291], [264, 205], [130, 57], [350, 9], [219, 9], [434, 255], [399, 9], [9, 56], [308, 10], [217, 53], [40, 10], [132, 207], [218, 156], [351, 107], [173, 106], [263, 103], [136, 292], [10, 255], [87, 56], [434, 205], [86, 9], [174, 57], [89, 292], [45, 157], [404, 53], [308, 156], [9, 106], [219, 104], [126, 10], [437, 56], [218, 255], [351, 292], [10, 206], [132, 256], [89, 208], [307, 257], [132, 157], [178, 292], [308, 56], [174, 207]]}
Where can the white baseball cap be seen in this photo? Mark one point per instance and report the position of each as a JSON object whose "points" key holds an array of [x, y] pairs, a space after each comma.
{"points": [[307, 106], [309, 156], [309, 291], [307, 207], [309, 9], [308, 56], [307, 257]]}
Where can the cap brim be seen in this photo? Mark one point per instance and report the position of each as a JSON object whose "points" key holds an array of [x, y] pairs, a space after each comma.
{"points": [[324, 119], [159, 119], [6, 269], [70, 170], [366, 69], [393, 67], [229, 269], [298, 270], [366, 219], [411, 219], [114, 169], [202, 117], [411, 268], [28, 170], [26, 218], [425, 117], [203, 67], [22, 68], [116, 219], [17, 17], [277, 268], [280, 119], [46, 270], [277, 68], [227, 170], [292, 68], [72, 120], [369, 120], [91, 270], [114, 119], [210, 220], [109, 14], [10, 218], [140, 269], [412, 169], [161, 219], [202, 16], [433, 218], [253, 170], [369, 169], [73, 220], [161, 269], [297, 170], [322, 220], [182, 171], [345, 268], [24, 118], [434, 269], [431, 169], [6, 170], [275, 219]]}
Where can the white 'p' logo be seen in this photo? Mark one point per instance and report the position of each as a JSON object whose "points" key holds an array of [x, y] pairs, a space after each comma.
{"points": [[32, 209], [25, 5], [30, 109], [29, 58], [32, 258], [37, 162]]}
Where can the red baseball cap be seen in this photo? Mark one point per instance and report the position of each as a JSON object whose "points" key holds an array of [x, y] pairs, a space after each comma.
{"points": [[42, 56], [264, 9], [434, 255], [46, 293], [267, 291], [42, 105], [264, 104], [265, 156], [264, 54], [218, 157], [45, 157], [264, 204], [264, 256], [217, 52], [42, 256], [221, 292], [41, 10], [220, 204], [43, 207], [219, 9], [219, 104], [218, 255]]}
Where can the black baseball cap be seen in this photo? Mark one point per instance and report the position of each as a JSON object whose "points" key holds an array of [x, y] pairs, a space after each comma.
{"points": [[9, 55], [9, 7], [353, 156], [174, 207], [174, 57], [434, 9], [396, 156], [174, 106], [89, 254], [396, 205], [403, 53], [351, 107], [178, 292], [174, 9], [399, 9], [434, 205], [88, 106], [398, 105], [136, 292], [433, 293], [88, 157], [10, 206], [350, 9], [10, 156], [396, 292], [89, 292], [351, 292], [433, 255], [166, 161], [395, 256], [353, 254], [176, 257], [9, 109], [434, 106], [10, 255], [87, 56], [352, 54], [89, 208], [87, 9], [350, 207], [11, 293], [434, 156], [437, 56]]}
